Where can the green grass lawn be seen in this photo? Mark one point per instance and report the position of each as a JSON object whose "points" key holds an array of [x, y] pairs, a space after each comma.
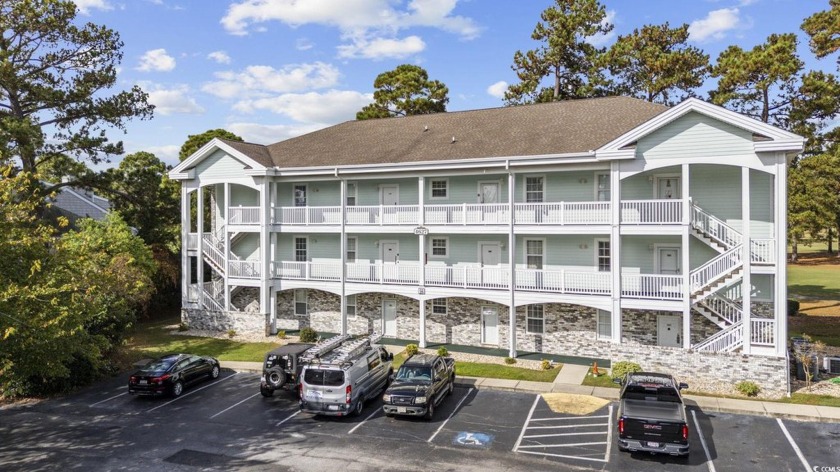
{"points": [[819, 281], [497, 371], [602, 380]]}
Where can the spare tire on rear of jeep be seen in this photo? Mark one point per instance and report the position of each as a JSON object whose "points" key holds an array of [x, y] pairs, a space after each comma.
{"points": [[275, 377]]}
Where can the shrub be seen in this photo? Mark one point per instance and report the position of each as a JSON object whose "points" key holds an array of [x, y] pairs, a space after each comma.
{"points": [[835, 380], [183, 327], [619, 369], [510, 360], [442, 351], [748, 388], [792, 307], [231, 333], [281, 334], [411, 349], [308, 335], [545, 364]]}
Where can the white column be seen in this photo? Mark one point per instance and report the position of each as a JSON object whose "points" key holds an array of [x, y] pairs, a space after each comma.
{"points": [[421, 257], [615, 249], [226, 274], [686, 261], [342, 246], [199, 270], [746, 283], [512, 265], [185, 237], [780, 290], [265, 246]]}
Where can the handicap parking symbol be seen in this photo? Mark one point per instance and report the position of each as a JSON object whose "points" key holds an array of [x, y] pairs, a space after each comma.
{"points": [[470, 439]]}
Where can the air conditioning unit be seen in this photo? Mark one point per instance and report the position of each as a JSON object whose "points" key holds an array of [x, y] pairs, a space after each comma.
{"points": [[832, 365]]}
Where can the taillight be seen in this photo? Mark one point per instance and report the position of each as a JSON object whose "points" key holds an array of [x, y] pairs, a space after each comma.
{"points": [[133, 379], [300, 387], [349, 390], [685, 432], [159, 379], [621, 426]]}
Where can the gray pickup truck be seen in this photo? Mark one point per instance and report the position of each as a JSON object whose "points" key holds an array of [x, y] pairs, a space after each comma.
{"points": [[651, 415], [421, 383]]}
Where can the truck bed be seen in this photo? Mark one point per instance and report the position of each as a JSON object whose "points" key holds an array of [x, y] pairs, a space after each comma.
{"points": [[654, 410]]}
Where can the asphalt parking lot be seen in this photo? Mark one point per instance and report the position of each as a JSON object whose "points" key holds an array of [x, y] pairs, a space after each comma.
{"points": [[227, 425]]}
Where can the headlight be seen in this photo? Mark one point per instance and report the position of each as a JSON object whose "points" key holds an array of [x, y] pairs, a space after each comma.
{"points": [[420, 400], [386, 398]]}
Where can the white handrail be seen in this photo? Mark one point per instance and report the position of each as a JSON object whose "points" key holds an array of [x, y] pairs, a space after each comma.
{"points": [[725, 340], [763, 251], [211, 250], [714, 228], [715, 269], [728, 311]]}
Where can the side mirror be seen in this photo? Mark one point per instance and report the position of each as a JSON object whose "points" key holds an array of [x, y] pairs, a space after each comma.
{"points": [[683, 385]]}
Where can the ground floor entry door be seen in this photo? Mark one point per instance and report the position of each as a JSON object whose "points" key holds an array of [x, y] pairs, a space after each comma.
{"points": [[389, 318], [489, 325], [668, 331]]}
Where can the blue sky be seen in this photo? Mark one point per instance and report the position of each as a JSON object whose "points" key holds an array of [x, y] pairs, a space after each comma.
{"points": [[273, 69]]}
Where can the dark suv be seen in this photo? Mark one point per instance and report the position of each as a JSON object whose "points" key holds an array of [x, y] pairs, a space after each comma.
{"points": [[282, 367]]}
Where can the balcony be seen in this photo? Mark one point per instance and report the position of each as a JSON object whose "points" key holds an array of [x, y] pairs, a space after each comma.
{"points": [[240, 215], [651, 212]]}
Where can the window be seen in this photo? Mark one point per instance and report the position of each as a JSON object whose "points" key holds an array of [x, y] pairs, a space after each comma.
{"points": [[534, 253], [351, 249], [439, 306], [602, 187], [440, 247], [351, 305], [351, 194], [603, 248], [533, 189], [440, 189], [534, 322], [604, 324], [301, 302], [300, 250], [300, 195]]}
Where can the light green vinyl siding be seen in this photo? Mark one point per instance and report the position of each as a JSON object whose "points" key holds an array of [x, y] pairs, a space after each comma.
{"points": [[700, 253], [717, 190], [247, 247], [637, 187], [219, 165], [465, 249], [319, 248], [575, 252], [761, 205], [464, 189], [695, 136], [243, 196], [577, 186], [317, 193], [637, 255]]}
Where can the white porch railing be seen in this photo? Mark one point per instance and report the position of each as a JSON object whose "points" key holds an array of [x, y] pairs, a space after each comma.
{"points": [[244, 269], [762, 331], [714, 228], [467, 214], [646, 212], [211, 250], [562, 281], [652, 286], [384, 272], [725, 340], [243, 215], [330, 271], [383, 215], [468, 276], [730, 312], [327, 215], [715, 269], [563, 213], [763, 251]]}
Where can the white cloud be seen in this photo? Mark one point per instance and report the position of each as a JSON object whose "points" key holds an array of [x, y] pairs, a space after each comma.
{"points": [[269, 134], [332, 106], [167, 153], [304, 44], [715, 25], [156, 60], [381, 48], [85, 6], [174, 101], [603, 39], [220, 57], [498, 89], [262, 80]]}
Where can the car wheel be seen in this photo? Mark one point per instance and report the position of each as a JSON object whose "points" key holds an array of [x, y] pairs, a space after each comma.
{"points": [[275, 377], [430, 412], [266, 392], [214, 374], [177, 389], [360, 405]]}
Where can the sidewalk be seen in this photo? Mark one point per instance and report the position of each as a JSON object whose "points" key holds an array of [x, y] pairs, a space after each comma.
{"points": [[569, 381]]}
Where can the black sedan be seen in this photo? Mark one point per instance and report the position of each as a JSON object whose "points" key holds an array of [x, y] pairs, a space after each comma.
{"points": [[170, 374]]}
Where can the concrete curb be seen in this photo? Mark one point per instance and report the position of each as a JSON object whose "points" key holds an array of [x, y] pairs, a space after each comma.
{"points": [[822, 414]]}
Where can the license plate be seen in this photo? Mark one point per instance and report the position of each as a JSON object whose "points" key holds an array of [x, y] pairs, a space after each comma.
{"points": [[143, 382], [401, 409], [653, 444], [332, 407]]}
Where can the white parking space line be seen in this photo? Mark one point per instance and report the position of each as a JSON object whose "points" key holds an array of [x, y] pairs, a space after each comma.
{"points": [[233, 406], [568, 418], [795, 447], [289, 417], [450, 415], [703, 442], [525, 425], [598, 443], [363, 421], [581, 425], [609, 434], [108, 399], [531, 436], [594, 459], [216, 382]]}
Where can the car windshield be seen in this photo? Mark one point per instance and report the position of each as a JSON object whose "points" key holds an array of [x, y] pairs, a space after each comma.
{"points": [[158, 366], [414, 374], [327, 377]]}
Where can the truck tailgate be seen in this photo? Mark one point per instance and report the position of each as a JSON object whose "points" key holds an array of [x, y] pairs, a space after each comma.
{"points": [[653, 421]]}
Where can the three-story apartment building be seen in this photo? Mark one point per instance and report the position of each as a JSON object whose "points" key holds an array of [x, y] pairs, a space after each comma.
{"points": [[606, 228]]}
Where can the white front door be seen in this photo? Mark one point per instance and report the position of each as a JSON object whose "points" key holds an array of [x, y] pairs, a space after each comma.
{"points": [[668, 331], [668, 260], [491, 254], [668, 187], [389, 195], [389, 318], [488, 192], [489, 325], [390, 251]]}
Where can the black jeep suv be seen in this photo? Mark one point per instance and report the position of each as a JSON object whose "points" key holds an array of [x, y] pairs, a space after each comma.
{"points": [[281, 367]]}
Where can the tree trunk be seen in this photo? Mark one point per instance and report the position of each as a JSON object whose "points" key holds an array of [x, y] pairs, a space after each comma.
{"points": [[830, 240], [794, 250]]}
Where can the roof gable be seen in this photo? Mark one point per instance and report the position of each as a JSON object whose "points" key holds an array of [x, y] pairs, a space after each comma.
{"points": [[251, 156]]}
